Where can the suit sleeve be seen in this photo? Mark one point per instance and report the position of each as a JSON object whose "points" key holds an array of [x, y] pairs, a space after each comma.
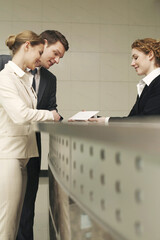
{"points": [[52, 103], [3, 60]]}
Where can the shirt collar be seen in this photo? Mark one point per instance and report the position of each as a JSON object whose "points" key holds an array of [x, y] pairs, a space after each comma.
{"points": [[151, 76], [16, 69], [25, 76], [38, 70]]}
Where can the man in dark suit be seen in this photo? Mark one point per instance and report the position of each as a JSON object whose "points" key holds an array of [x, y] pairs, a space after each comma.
{"points": [[45, 87]]}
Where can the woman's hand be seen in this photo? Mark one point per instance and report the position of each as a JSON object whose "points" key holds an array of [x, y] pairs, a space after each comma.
{"points": [[98, 120], [56, 116]]}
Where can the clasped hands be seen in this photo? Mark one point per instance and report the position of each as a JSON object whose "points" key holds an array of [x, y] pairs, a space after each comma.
{"points": [[56, 116]]}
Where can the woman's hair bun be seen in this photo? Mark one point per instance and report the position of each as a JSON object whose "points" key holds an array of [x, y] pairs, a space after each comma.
{"points": [[10, 41]]}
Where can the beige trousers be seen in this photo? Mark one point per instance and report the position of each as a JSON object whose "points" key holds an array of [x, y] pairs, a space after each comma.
{"points": [[13, 179]]}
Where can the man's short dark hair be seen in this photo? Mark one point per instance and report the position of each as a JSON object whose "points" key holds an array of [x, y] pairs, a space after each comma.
{"points": [[53, 36]]}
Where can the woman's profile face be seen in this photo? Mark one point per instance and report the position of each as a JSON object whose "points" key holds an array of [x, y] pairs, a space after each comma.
{"points": [[141, 62], [33, 56]]}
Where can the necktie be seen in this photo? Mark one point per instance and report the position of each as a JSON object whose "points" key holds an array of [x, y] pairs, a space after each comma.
{"points": [[33, 72]]}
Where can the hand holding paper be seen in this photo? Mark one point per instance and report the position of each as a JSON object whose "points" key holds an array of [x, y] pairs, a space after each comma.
{"points": [[83, 115]]}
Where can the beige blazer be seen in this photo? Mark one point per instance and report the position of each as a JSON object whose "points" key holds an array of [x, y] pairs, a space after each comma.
{"points": [[17, 113]]}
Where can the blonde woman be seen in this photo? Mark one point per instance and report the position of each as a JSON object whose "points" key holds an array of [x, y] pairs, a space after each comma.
{"points": [[17, 138]]}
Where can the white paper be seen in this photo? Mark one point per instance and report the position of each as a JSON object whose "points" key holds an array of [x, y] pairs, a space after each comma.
{"points": [[83, 115]]}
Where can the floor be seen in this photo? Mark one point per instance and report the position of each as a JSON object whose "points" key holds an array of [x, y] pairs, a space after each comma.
{"points": [[82, 227], [41, 211]]}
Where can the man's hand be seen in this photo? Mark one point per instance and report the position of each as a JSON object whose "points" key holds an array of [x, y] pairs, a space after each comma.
{"points": [[56, 116]]}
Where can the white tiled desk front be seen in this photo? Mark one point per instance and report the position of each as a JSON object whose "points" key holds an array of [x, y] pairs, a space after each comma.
{"points": [[111, 173]]}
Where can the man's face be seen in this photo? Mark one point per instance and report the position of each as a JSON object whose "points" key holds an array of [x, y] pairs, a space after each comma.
{"points": [[51, 54]]}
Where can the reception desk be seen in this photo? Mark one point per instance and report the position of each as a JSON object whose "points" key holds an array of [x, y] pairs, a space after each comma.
{"points": [[111, 176]]}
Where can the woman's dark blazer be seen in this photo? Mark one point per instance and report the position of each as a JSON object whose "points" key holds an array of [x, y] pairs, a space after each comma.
{"points": [[148, 104]]}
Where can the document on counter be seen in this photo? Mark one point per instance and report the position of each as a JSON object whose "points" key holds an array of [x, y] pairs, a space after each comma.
{"points": [[83, 115]]}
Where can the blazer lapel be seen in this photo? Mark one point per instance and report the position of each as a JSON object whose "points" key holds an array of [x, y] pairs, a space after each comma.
{"points": [[139, 103], [42, 85], [32, 97], [142, 99], [144, 92]]}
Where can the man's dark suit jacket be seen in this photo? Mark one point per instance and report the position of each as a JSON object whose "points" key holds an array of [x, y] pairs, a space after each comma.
{"points": [[47, 90], [148, 104]]}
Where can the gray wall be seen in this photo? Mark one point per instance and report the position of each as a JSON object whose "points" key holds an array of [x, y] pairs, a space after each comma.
{"points": [[95, 74]]}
